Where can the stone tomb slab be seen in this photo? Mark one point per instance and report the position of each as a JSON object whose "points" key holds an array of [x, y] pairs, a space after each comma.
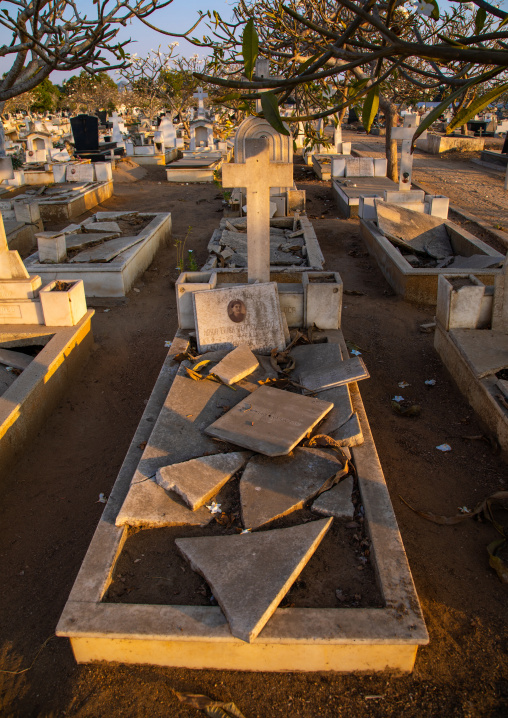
{"points": [[198, 480], [247, 314], [250, 574], [336, 502], [236, 365], [336, 374], [274, 487], [271, 421], [414, 230]]}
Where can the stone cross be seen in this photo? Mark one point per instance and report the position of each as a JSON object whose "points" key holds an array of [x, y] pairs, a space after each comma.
{"points": [[405, 134], [337, 138], [200, 96], [262, 69], [257, 175]]}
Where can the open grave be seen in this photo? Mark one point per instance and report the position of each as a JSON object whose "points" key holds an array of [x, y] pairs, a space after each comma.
{"points": [[251, 436], [471, 338], [108, 251], [355, 177], [413, 248], [45, 335]]}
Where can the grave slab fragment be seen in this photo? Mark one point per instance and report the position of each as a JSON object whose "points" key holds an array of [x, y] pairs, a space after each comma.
{"points": [[270, 421], [336, 374], [250, 574], [236, 365], [337, 501], [275, 487], [414, 230], [198, 480], [248, 314]]}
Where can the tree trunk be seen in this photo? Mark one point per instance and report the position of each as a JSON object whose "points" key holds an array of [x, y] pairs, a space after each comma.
{"points": [[2, 133], [391, 116]]}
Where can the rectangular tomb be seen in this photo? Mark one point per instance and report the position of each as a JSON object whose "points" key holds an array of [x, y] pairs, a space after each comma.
{"points": [[379, 638]]}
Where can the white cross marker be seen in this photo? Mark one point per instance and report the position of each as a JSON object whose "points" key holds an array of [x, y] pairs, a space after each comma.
{"points": [[405, 134], [200, 96], [257, 174]]}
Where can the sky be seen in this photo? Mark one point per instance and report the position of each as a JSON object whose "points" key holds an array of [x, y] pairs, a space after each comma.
{"points": [[177, 17]]}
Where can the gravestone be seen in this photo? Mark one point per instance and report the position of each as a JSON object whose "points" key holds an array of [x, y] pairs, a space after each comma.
{"points": [[257, 174], [85, 130], [200, 96], [405, 134], [247, 314], [168, 131]]}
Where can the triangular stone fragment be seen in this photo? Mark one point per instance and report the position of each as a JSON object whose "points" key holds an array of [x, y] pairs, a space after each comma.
{"points": [[337, 501], [236, 365], [414, 230], [198, 480], [250, 574], [274, 487], [350, 433], [333, 374]]}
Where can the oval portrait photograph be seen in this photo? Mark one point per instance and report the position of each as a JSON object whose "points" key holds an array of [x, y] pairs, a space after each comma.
{"points": [[236, 310]]}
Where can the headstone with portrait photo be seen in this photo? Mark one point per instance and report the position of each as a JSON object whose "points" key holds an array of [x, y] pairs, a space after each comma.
{"points": [[246, 314]]}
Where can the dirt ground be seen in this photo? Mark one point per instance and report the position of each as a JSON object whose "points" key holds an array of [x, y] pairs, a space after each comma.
{"points": [[50, 502]]}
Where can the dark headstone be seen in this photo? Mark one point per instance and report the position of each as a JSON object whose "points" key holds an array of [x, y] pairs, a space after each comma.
{"points": [[505, 145], [102, 115], [353, 116], [85, 129]]}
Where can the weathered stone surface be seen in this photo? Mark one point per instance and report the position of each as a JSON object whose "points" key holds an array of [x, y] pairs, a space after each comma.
{"points": [[337, 374], [315, 357], [250, 574], [476, 261], [270, 421], [198, 480], [102, 227], [18, 360], [107, 251], [274, 487], [147, 505], [350, 433], [337, 501], [238, 364], [342, 409], [414, 230], [247, 314], [82, 239]]}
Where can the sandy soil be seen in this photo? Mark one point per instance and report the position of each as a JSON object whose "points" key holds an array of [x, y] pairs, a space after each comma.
{"points": [[50, 503]]}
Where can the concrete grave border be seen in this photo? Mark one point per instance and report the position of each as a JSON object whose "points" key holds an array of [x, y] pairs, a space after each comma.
{"points": [[115, 278], [420, 285], [61, 210], [295, 639], [36, 392]]}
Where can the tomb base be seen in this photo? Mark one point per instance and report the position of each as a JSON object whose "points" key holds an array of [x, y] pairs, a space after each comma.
{"points": [[28, 402], [420, 285], [294, 639]]}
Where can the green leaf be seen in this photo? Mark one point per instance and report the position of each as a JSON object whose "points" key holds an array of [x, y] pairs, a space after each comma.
{"points": [[370, 108], [308, 63], [271, 112], [477, 105], [250, 44], [503, 23], [227, 98], [479, 20], [438, 111], [435, 13]]}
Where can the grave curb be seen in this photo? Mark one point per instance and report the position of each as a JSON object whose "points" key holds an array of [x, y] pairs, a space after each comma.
{"points": [[26, 404], [199, 636]]}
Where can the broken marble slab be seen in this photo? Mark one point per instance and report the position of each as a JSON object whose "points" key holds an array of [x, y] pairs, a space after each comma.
{"points": [[315, 357], [17, 360], [247, 314], [476, 261], [336, 374], [198, 480], [271, 421], [78, 240], [414, 230], [337, 501], [149, 506], [274, 487], [236, 365], [108, 250], [350, 433], [102, 227], [250, 573]]}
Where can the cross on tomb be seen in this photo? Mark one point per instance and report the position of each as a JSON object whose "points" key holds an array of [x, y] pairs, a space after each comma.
{"points": [[257, 175], [405, 134], [262, 69], [200, 96]]}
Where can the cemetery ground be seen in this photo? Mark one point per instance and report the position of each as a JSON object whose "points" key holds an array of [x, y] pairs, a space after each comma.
{"points": [[50, 509]]}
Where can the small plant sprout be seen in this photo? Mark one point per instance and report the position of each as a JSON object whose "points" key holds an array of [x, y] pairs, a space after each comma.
{"points": [[180, 251], [193, 265]]}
